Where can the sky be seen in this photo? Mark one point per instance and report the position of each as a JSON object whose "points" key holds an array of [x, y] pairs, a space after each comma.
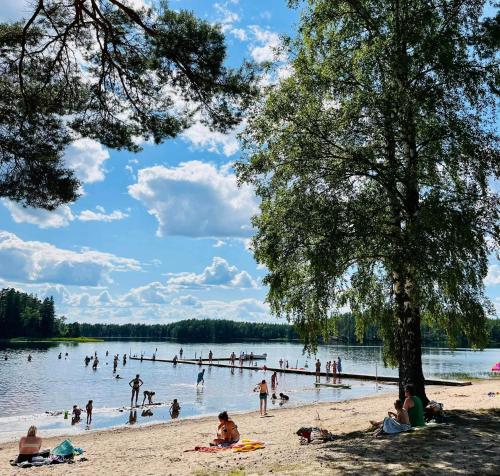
{"points": [[163, 234]]}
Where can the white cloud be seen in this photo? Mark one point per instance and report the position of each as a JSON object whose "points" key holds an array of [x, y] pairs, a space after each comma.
{"points": [[493, 276], [239, 33], [187, 301], [218, 273], [57, 218], [195, 199], [101, 215], [40, 262], [265, 46], [155, 292], [219, 244], [225, 17], [201, 137], [87, 157]]}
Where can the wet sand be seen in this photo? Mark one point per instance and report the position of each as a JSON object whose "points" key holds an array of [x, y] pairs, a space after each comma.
{"points": [[467, 444]]}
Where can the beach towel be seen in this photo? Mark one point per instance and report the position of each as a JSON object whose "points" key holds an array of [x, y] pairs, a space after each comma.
{"points": [[66, 449], [242, 446]]}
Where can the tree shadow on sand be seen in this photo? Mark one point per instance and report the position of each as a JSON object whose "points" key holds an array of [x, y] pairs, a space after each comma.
{"points": [[467, 444]]}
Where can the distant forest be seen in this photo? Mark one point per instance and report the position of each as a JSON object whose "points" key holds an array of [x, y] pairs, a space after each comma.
{"points": [[25, 315]]}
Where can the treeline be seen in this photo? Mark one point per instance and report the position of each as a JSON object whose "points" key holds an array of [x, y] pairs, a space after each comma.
{"points": [[193, 330], [25, 315]]}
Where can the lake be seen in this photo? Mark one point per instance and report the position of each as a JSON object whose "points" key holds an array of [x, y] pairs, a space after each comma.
{"points": [[49, 384]]}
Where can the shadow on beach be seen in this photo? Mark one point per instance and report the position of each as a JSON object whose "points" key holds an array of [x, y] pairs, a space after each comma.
{"points": [[466, 444]]}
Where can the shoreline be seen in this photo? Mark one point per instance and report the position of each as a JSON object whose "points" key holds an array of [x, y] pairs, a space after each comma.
{"points": [[149, 449]]}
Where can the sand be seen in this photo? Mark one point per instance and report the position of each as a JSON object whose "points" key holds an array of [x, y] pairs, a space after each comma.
{"points": [[467, 444]]}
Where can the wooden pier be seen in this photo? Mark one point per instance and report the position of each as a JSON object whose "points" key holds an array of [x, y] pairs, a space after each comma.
{"points": [[379, 378]]}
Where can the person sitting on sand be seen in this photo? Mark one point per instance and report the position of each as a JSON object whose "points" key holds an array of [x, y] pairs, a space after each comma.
{"points": [[413, 405], [88, 409], [29, 446], [394, 422], [284, 397], [149, 395], [227, 431]]}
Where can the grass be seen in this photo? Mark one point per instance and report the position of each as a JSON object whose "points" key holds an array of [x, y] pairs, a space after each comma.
{"points": [[54, 339]]}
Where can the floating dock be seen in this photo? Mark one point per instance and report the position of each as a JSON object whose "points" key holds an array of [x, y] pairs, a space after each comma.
{"points": [[379, 378]]}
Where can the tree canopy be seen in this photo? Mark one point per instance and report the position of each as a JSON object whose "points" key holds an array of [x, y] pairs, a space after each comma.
{"points": [[374, 162], [103, 70]]}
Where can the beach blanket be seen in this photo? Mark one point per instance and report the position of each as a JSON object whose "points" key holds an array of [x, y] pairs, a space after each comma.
{"points": [[391, 426], [38, 461], [242, 446]]}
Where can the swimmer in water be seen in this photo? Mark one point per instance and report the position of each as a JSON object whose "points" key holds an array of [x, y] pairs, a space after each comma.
{"points": [[118, 376], [29, 357]]}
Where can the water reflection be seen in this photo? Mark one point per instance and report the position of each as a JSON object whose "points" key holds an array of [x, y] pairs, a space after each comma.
{"points": [[132, 418]]}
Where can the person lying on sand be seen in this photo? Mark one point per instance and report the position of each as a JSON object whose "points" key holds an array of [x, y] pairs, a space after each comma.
{"points": [[394, 422], [227, 431], [149, 395]]}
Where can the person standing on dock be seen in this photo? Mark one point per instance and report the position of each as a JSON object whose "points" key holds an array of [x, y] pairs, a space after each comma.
{"points": [[233, 358], [318, 370], [210, 356], [327, 367], [334, 369], [200, 378], [281, 363], [339, 365]]}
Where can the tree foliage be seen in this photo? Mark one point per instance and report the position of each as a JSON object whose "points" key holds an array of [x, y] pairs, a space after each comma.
{"points": [[374, 162], [103, 70]]}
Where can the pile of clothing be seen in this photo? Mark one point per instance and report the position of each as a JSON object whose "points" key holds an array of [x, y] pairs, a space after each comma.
{"points": [[314, 434], [62, 453], [434, 412]]}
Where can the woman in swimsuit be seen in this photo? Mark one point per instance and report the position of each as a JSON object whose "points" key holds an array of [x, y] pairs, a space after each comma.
{"points": [[136, 385], [29, 446], [263, 393], [227, 431]]}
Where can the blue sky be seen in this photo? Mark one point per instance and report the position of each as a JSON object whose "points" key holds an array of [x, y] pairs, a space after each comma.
{"points": [[159, 235]]}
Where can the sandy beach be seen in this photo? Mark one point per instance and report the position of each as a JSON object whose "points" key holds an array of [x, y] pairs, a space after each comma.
{"points": [[467, 444]]}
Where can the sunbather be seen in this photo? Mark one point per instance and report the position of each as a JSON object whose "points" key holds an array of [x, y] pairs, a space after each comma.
{"points": [[29, 446], [227, 431]]}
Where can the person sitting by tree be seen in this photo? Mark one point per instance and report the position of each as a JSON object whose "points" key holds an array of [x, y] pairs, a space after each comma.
{"points": [[414, 406]]}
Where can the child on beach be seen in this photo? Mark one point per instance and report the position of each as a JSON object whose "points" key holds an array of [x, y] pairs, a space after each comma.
{"points": [[394, 422], [88, 409]]}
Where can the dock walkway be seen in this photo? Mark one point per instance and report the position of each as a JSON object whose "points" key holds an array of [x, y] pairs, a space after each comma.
{"points": [[380, 378]]}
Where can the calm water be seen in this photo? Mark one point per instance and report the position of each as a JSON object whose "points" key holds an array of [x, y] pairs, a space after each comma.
{"points": [[48, 384]]}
